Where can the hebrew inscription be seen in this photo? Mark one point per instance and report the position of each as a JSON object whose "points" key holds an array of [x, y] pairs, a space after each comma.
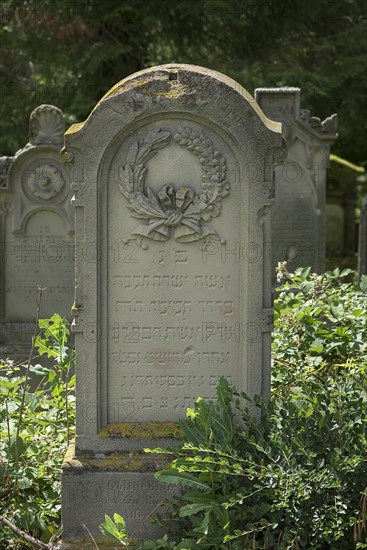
{"points": [[172, 285], [173, 310]]}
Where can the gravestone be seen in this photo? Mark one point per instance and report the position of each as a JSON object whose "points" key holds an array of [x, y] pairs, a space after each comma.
{"points": [[37, 233], [298, 215], [362, 240], [173, 181], [341, 222]]}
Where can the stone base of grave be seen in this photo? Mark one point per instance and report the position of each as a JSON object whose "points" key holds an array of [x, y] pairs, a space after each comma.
{"points": [[122, 483], [87, 543]]}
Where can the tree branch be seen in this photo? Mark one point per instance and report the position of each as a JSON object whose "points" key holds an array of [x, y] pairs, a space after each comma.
{"points": [[23, 535]]}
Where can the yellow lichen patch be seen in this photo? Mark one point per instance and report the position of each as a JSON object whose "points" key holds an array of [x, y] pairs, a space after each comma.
{"points": [[175, 92], [131, 461], [127, 462], [138, 429], [75, 128], [124, 86], [69, 460]]}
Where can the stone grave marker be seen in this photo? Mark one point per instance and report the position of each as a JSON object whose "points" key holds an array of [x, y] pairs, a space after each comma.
{"points": [[298, 215], [173, 181], [37, 233], [341, 204], [362, 240]]}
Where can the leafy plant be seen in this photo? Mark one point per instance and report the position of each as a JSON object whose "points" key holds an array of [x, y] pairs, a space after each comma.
{"points": [[115, 529], [298, 478], [35, 428], [320, 321]]}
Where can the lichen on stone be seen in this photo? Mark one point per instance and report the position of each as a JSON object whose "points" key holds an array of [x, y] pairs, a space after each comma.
{"points": [[141, 430]]}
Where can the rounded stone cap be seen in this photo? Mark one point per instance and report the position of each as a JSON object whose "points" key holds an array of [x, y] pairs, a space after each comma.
{"points": [[46, 126], [180, 83]]}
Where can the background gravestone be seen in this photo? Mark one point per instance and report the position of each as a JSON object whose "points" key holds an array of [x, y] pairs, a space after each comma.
{"points": [[298, 215], [362, 241], [173, 181], [341, 221], [37, 233]]}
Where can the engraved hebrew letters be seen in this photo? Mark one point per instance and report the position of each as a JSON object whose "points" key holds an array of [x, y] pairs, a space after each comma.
{"points": [[156, 327]]}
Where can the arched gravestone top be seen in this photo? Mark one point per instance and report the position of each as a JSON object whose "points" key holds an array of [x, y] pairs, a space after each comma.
{"points": [[164, 83], [173, 181]]}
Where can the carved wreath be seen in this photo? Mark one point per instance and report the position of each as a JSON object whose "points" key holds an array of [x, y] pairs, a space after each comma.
{"points": [[167, 210]]}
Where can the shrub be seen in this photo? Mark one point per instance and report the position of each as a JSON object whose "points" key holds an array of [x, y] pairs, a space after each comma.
{"points": [[297, 479], [35, 428]]}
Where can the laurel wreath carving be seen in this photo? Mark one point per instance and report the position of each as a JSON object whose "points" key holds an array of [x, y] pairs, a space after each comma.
{"points": [[178, 210]]}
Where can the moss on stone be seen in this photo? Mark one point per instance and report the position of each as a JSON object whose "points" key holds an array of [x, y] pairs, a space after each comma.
{"points": [[124, 86], [141, 430], [175, 91], [122, 461]]}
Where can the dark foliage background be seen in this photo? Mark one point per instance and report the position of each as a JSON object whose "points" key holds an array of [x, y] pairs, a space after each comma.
{"points": [[70, 53]]}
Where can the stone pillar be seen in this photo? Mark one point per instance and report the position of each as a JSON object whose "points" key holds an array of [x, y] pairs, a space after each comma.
{"points": [[173, 183]]}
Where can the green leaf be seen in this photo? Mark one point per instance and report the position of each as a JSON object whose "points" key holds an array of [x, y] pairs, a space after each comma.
{"points": [[25, 483], [43, 348], [337, 310], [203, 498], [120, 523], [115, 532], [182, 478], [346, 272], [205, 523], [363, 283], [191, 509], [10, 384], [39, 370], [317, 348]]}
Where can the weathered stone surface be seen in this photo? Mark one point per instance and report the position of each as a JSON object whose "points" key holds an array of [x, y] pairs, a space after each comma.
{"points": [[37, 232], [120, 482], [173, 181], [298, 216], [362, 241], [5, 163], [46, 126]]}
